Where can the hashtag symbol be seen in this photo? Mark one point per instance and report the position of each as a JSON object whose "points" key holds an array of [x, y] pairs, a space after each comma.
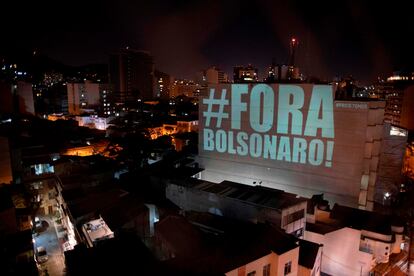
{"points": [[210, 102]]}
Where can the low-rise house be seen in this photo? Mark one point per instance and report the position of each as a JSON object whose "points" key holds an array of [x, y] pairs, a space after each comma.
{"points": [[355, 242], [205, 244]]}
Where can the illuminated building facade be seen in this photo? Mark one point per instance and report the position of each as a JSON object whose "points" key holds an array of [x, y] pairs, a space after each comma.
{"points": [[356, 242], [185, 88], [213, 75], [295, 138], [398, 92], [163, 83], [245, 74]]}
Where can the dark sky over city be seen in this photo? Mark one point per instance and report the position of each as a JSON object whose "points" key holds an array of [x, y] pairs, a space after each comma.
{"points": [[336, 38]]}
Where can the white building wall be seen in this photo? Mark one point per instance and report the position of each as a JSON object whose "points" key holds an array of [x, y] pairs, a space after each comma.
{"points": [[341, 255]]}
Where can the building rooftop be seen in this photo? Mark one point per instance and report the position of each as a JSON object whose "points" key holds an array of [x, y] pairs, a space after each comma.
{"points": [[363, 220], [93, 202], [308, 251], [96, 230], [185, 239], [227, 244], [231, 250], [258, 195], [123, 255], [342, 216], [123, 211], [321, 228]]}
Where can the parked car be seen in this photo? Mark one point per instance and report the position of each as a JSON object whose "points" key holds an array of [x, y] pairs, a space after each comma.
{"points": [[38, 223], [41, 254]]}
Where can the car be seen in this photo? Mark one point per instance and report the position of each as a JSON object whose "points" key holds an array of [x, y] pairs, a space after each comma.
{"points": [[41, 254], [38, 222]]}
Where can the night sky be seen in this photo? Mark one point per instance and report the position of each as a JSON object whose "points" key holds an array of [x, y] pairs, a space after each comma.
{"points": [[336, 38]]}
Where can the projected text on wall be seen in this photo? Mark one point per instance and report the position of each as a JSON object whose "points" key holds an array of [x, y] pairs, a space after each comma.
{"points": [[278, 122]]}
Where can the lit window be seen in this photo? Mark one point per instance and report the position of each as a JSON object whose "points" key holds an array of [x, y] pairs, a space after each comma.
{"points": [[396, 131], [288, 268]]}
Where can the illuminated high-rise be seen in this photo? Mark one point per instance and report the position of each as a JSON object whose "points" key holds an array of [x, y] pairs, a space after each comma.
{"points": [[398, 93], [245, 74]]}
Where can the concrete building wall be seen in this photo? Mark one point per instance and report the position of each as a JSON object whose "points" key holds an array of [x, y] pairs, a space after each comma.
{"points": [[132, 75], [73, 98], [6, 97], [304, 271], [290, 256], [92, 93], [212, 75], [257, 266], [351, 178], [200, 201], [25, 98], [316, 270], [407, 111], [341, 254], [277, 265], [82, 96], [390, 163], [6, 174]]}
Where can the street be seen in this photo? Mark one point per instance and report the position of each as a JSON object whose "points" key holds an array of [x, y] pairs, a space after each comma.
{"points": [[55, 266]]}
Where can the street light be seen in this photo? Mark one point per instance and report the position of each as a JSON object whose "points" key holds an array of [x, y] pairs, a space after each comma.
{"points": [[387, 196]]}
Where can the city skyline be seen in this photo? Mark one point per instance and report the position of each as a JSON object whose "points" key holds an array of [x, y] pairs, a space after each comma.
{"points": [[215, 138], [351, 38]]}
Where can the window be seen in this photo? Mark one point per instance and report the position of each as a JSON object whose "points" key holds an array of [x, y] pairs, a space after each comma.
{"points": [[293, 217], [298, 233], [253, 273], [288, 268], [266, 270]]}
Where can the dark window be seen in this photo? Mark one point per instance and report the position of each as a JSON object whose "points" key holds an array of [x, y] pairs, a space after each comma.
{"points": [[253, 273], [298, 233], [288, 268], [293, 217], [266, 270]]}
